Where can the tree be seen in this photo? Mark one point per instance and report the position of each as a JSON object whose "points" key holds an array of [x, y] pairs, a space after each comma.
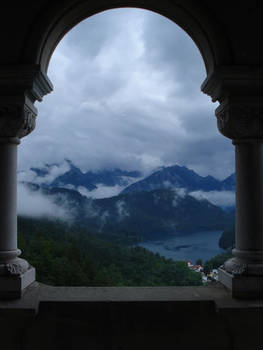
{"points": [[199, 262]]}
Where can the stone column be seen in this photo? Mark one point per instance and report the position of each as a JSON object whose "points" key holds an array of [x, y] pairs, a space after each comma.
{"points": [[19, 88], [242, 121], [240, 118], [8, 181], [249, 203]]}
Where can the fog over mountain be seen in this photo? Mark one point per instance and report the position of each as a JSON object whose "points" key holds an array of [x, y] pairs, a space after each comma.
{"points": [[150, 214], [34, 204], [39, 187], [94, 184]]}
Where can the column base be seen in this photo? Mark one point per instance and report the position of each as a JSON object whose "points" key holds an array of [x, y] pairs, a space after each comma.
{"points": [[242, 286], [12, 287]]}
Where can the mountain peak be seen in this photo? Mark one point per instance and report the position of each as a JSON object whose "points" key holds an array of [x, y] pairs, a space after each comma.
{"points": [[175, 176]]}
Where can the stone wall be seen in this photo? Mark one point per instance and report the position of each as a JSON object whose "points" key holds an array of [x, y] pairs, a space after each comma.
{"points": [[126, 318]]}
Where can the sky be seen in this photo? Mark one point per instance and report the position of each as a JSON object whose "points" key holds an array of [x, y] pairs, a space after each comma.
{"points": [[127, 95]]}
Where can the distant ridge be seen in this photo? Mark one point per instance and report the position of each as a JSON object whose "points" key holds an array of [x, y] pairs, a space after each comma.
{"points": [[75, 177], [153, 213], [180, 177], [171, 177]]}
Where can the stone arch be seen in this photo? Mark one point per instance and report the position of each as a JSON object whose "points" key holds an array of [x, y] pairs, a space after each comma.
{"points": [[228, 37], [57, 20]]}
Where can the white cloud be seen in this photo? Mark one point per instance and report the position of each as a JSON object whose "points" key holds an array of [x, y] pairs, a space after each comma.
{"points": [[103, 219], [122, 210], [27, 176], [179, 193], [52, 172], [220, 198], [101, 191], [34, 204], [55, 171]]}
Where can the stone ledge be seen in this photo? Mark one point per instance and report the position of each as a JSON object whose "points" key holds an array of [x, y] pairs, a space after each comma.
{"points": [[129, 318], [38, 293], [106, 294]]}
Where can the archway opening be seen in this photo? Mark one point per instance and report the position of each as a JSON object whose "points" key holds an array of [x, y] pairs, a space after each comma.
{"points": [[128, 103]]}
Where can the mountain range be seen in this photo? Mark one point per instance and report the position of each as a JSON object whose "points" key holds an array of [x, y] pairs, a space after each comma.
{"points": [[74, 177], [181, 177], [132, 181], [150, 214], [159, 204]]}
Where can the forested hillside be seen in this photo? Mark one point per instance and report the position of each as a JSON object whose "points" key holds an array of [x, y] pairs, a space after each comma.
{"points": [[73, 256], [150, 214]]}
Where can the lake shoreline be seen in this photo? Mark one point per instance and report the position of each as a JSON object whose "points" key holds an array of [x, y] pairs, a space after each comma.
{"points": [[186, 247]]}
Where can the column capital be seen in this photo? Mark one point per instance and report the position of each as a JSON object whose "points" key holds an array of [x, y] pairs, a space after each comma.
{"points": [[239, 91], [20, 87], [240, 118], [17, 117]]}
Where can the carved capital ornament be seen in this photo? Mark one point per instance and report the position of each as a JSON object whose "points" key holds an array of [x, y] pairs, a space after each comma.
{"points": [[240, 120], [20, 87], [239, 91], [17, 120]]}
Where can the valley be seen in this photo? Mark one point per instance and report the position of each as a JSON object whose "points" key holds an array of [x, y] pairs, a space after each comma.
{"points": [[166, 212]]}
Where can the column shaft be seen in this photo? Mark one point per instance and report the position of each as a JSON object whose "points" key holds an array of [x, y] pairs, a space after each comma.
{"points": [[8, 198], [15, 273], [244, 273], [249, 197]]}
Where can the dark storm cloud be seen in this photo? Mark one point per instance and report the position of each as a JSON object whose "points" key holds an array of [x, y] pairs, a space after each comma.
{"points": [[127, 94]]}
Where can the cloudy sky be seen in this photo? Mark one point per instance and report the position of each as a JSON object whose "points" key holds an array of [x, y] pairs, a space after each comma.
{"points": [[127, 95]]}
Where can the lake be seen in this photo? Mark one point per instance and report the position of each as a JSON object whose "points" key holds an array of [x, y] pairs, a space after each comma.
{"points": [[187, 246]]}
